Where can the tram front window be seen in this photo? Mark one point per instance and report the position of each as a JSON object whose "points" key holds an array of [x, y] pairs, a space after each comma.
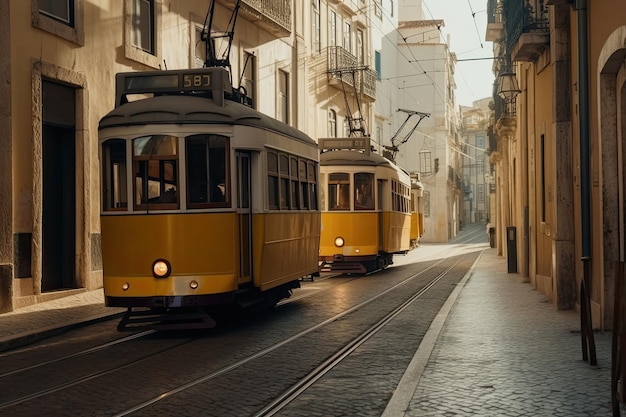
{"points": [[339, 191], [155, 166], [363, 193]]}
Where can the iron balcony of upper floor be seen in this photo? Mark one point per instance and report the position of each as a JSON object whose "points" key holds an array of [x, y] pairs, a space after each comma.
{"points": [[342, 65], [527, 29], [271, 15]]}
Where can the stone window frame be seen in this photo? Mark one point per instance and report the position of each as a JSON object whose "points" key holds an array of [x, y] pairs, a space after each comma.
{"points": [[135, 53], [74, 33]]}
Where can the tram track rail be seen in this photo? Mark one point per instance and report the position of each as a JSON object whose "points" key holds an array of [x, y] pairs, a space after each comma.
{"points": [[280, 399], [77, 354], [287, 396]]}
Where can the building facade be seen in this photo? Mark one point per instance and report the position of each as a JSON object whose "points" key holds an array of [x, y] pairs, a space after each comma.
{"points": [[559, 154], [425, 79], [477, 175]]}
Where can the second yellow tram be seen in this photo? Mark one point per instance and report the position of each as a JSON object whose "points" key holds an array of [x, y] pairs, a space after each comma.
{"points": [[366, 211]]}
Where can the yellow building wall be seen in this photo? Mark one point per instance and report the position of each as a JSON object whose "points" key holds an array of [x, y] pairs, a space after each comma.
{"points": [[607, 24]]}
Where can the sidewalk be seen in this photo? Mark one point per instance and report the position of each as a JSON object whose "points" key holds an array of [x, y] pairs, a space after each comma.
{"points": [[30, 324], [503, 351]]}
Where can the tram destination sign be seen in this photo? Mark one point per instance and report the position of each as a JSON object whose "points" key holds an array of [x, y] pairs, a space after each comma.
{"points": [[362, 143], [171, 81]]}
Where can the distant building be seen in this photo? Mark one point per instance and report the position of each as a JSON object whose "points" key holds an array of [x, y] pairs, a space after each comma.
{"points": [[478, 184], [425, 78]]}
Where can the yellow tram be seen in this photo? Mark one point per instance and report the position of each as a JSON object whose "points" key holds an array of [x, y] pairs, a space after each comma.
{"points": [[366, 208], [206, 202]]}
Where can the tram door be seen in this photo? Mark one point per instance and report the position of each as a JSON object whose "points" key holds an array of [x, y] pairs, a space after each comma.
{"points": [[59, 187], [244, 210]]}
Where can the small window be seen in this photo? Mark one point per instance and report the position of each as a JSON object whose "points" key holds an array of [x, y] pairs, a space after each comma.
{"points": [[316, 31], [207, 171], [347, 36], [339, 191], [155, 167], [332, 123], [62, 18], [282, 97], [294, 188], [60, 10], [285, 200], [143, 25], [332, 28], [249, 75], [272, 180], [312, 179], [364, 191], [199, 46], [425, 162], [114, 175]]}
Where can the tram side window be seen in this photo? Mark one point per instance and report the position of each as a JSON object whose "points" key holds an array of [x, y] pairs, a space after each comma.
{"points": [[294, 187], [304, 192], [207, 171], [284, 182], [312, 179], [339, 191], [272, 180], [155, 166], [114, 175]]}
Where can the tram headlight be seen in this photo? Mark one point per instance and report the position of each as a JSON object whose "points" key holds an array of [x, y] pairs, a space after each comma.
{"points": [[161, 268], [339, 242], [193, 284]]}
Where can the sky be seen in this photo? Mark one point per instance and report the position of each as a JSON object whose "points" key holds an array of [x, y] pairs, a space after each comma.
{"points": [[466, 23]]}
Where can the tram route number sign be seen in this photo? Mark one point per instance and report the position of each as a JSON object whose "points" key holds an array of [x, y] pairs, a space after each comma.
{"points": [[215, 80], [148, 82], [345, 143]]}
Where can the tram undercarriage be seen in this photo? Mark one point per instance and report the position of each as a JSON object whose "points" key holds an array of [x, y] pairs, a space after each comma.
{"points": [[356, 264]]}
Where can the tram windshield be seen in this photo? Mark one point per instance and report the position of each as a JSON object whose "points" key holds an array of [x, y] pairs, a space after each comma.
{"points": [[339, 191], [363, 191], [156, 181]]}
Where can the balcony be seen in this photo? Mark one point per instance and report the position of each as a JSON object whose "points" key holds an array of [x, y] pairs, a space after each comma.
{"points": [[495, 27], [271, 15], [343, 66], [527, 29]]}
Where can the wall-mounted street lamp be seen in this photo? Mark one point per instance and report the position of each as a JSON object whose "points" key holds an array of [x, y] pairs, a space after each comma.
{"points": [[508, 88]]}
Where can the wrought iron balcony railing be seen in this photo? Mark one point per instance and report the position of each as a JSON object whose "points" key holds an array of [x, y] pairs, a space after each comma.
{"points": [[275, 16], [523, 17], [493, 14], [344, 66], [504, 108]]}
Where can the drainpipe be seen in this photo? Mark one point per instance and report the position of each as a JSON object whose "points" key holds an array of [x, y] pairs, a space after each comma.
{"points": [[588, 343]]}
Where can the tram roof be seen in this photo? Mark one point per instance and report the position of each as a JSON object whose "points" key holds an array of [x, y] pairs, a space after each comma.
{"points": [[350, 157], [186, 109], [356, 158]]}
